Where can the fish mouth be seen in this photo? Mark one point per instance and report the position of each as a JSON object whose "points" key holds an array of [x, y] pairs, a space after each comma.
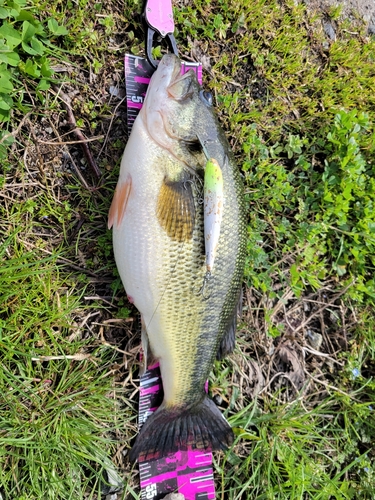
{"points": [[172, 65]]}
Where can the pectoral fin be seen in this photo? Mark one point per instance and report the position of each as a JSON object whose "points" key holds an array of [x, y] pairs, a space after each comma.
{"points": [[119, 202], [176, 209]]}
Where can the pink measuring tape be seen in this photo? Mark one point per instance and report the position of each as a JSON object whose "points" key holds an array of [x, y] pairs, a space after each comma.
{"points": [[187, 472]]}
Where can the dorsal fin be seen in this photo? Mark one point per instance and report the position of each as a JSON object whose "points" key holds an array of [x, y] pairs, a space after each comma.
{"points": [[228, 342]]}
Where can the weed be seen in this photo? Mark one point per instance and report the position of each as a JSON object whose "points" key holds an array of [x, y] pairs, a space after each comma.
{"points": [[25, 46]]}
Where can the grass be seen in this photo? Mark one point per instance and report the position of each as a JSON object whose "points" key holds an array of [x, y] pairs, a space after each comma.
{"points": [[298, 109], [59, 407], [289, 459]]}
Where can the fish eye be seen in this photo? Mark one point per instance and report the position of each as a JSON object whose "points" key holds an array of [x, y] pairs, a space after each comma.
{"points": [[206, 97]]}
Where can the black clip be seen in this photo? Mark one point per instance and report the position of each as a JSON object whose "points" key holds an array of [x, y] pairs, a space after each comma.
{"points": [[157, 18], [150, 39]]}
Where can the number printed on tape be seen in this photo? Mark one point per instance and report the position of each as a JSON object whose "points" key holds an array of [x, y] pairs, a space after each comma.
{"points": [[151, 490], [137, 98]]}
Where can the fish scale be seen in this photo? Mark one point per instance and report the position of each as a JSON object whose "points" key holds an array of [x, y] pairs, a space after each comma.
{"points": [[185, 260]]}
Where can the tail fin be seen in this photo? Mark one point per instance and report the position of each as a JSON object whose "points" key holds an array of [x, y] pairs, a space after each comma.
{"points": [[201, 426]]}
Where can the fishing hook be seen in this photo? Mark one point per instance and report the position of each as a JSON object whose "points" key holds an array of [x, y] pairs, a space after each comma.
{"points": [[204, 290]]}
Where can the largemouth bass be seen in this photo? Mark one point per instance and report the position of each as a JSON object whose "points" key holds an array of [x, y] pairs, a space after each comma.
{"points": [[188, 313]]}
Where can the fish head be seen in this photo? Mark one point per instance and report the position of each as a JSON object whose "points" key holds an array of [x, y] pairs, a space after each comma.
{"points": [[176, 108]]}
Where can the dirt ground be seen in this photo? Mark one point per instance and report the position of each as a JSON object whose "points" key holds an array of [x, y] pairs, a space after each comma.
{"points": [[351, 9]]}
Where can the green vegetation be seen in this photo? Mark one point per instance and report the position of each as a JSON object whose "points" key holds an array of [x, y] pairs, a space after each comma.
{"points": [[299, 110], [25, 50], [58, 409], [327, 183]]}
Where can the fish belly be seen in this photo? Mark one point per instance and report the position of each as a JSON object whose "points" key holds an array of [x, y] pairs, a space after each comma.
{"points": [[160, 275]]}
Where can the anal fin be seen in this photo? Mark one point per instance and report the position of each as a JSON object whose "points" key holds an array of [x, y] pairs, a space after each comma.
{"points": [[148, 357]]}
